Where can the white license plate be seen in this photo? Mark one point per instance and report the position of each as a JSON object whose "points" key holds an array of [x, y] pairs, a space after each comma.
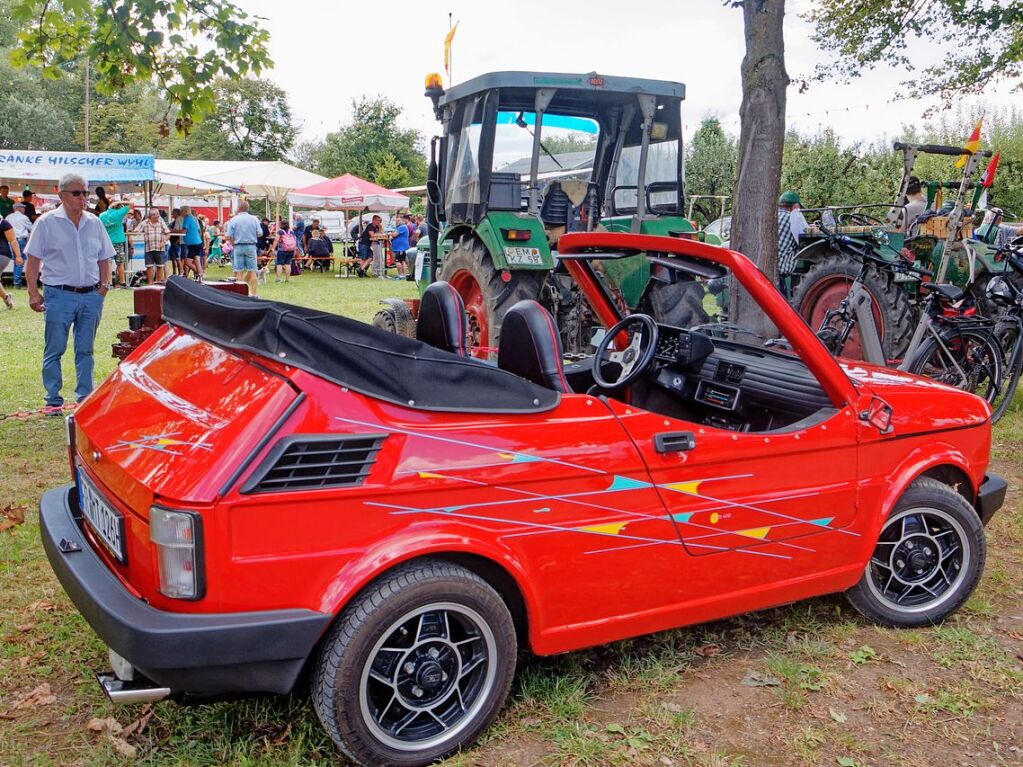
{"points": [[523, 256], [107, 523]]}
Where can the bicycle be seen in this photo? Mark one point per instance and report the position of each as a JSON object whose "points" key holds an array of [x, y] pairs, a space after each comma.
{"points": [[950, 343], [1009, 328]]}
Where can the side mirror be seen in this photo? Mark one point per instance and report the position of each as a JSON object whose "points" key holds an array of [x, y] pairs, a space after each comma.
{"points": [[433, 192], [879, 415]]}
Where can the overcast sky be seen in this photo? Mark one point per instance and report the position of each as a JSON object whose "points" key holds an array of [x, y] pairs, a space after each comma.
{"points": [[327, 54]]}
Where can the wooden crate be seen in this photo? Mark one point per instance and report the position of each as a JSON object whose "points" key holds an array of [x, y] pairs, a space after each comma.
{"points": [[937, 226]]}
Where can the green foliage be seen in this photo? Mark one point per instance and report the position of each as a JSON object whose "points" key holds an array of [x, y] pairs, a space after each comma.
{"points": [[710, 166], [372, 146], [982, 41], [251, 120], [558, 143], [181, 46]]}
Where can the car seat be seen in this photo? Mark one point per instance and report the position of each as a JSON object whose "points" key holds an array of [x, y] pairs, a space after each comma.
{"points": [[442, 320], [530, 346]]}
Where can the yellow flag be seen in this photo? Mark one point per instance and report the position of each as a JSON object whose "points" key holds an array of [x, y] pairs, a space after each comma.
{"points": [[972, 143], [447, 49]]}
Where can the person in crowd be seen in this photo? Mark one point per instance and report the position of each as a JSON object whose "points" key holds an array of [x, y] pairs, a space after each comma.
{"points": [[22, 228], [400, 244], [308, 233], [102, 201], [191, 241], [318, 246], [113, 220], [299, 231], [242, 233], [791, 226], [6, 203], [69, 248], [176, 232], [421, 228], [216, 252], [263, 243], [155, 238], [30, 209], [370, 232], [284, 246], [916, 204], [9, 251]]}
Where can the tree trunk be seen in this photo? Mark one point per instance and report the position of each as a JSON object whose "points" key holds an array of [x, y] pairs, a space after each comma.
{"points": [[761, 138]]}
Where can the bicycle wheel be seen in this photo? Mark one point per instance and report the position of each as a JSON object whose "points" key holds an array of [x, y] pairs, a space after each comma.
{"points": [[969, 359], [1011, 340]]}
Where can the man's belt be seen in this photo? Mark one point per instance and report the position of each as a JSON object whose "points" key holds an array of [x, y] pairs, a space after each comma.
{"points": [[73, 288]]}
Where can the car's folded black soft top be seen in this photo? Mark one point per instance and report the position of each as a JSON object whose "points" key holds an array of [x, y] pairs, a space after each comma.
{"points": [[350, 353]]}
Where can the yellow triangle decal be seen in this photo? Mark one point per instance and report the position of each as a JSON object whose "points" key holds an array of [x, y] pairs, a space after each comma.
{"points": [[755, 532], [612, 528], [430, 475], [684, 487]]}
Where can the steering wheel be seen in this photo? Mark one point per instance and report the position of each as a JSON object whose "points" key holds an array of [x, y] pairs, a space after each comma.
{"points": [[859, 219], [634, 359]]}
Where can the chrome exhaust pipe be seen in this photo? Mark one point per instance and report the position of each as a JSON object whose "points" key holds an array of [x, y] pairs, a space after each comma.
{"points": [[134, 691]]}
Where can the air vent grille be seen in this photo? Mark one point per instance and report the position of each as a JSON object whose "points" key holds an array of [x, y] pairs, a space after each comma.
{"points": [[314, 462]]}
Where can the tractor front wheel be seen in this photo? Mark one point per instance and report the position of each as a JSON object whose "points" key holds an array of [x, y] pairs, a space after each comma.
{"points": [[828, 282], [488, 293]]}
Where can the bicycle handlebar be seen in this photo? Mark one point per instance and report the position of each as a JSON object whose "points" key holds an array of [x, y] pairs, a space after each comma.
{"points": [[948, 151]]}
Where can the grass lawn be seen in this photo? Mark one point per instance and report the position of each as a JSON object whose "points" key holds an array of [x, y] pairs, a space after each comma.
{"points": [[846, 693]]}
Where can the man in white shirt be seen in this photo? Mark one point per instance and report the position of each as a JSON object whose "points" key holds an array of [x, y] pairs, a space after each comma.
{"points": [[22, 228], [71, 250]]}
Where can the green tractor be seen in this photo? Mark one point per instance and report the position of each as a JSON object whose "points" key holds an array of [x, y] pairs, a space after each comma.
{"points": [[495, 227], [939, 240]]}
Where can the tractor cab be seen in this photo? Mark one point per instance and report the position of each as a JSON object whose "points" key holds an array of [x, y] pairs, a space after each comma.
{"points": [[525, 157]]}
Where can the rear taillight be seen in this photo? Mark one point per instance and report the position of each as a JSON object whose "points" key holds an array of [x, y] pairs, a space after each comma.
{"points": [[69, 425], [177, 537]]}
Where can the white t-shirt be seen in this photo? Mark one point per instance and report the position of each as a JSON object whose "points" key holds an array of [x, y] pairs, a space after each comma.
{"points": [[70, 256]]}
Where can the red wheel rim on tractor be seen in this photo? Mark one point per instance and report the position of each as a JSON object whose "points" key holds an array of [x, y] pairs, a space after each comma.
{"points": [[469, 289], [828, 294]]}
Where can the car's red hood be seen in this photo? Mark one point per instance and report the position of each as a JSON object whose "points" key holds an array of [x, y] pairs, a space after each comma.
{"points": [[918, 404]]}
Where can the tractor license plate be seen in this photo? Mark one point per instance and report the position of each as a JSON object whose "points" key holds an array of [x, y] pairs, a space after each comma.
{"points": [[902, 277], [520, 256], [107, 523]]}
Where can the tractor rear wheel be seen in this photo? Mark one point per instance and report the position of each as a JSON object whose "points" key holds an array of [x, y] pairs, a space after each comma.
{"points": [[678, 304], [488, 293], [829, 281]]}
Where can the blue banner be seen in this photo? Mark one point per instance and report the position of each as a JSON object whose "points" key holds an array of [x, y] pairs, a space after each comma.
{"points": [[93, 166]]}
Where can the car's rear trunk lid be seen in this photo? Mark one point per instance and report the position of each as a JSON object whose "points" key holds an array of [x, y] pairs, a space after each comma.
{"points": [[177, 418]]}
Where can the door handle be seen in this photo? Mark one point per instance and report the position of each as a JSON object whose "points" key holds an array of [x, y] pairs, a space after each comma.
{"points": [[674, 441]]}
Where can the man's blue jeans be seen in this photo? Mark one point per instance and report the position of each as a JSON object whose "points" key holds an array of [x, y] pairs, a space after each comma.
{"points": [[64, 310], [20, 270]]}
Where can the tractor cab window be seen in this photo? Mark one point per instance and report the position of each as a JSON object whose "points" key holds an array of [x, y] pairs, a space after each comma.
{"points": [[464, 190], [662, 174]]}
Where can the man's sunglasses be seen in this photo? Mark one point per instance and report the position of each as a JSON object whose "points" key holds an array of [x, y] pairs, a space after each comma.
{"points": [[77, 192]]}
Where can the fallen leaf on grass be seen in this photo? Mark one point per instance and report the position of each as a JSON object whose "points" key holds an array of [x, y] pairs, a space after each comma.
{"points": [[25, 627], [40, 696], [25, 660], [105, 725], [11, 516], [759, 679], [140, 724], [43, 604], [708, 651], [124, 748], [838, 716]]}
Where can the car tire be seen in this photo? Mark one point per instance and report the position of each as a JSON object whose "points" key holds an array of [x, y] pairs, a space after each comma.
{"points": [[443, 685], [931, 550]]}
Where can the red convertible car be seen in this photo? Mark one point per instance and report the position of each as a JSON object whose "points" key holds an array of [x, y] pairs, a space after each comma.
{"points": [[265, 493]]}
